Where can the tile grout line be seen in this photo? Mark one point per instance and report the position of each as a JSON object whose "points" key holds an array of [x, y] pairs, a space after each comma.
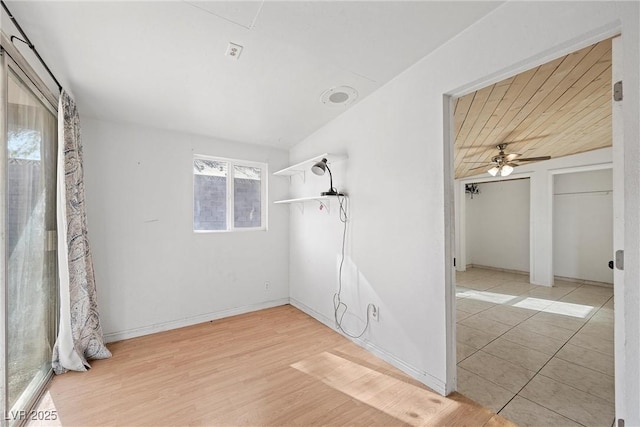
{"points": [[550, 410], [547, 362], [482, 311], [499, 336], [478, 349], [552, 356]]}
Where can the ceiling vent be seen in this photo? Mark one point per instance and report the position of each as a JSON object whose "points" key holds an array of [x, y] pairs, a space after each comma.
{"points": [[339, 96], [234, 50]]}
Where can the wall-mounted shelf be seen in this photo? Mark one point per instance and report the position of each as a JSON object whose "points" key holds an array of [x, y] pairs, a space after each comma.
{"points": [[300, 169], [300, 201]]}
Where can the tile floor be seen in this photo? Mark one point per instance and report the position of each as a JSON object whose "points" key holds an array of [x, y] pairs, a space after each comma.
{"points": [[538, 356]]}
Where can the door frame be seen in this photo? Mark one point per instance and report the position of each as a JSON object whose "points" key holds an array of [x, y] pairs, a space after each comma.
{"points": [[450, 199], [619, 182], [550, 199]]}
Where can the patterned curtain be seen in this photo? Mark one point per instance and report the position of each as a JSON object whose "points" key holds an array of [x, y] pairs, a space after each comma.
{"points": [[80, 334]]}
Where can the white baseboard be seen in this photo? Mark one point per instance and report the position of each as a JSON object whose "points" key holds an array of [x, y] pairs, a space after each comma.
{"points": [[504, 270], [425, 378], [526, 273], [188, 321], [584, 281]]}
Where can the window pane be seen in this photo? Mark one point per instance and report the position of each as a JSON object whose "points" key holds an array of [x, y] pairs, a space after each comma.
{"points": [[210, 195], [247, 194]]}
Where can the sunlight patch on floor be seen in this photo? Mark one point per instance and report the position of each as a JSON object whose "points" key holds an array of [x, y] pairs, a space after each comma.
{"points": [[487, 296], [531, 303], [570, 309], [399, 399]]}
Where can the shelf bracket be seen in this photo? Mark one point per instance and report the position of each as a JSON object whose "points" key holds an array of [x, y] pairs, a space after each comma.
{"points": [[322, 205], [301, 174]]}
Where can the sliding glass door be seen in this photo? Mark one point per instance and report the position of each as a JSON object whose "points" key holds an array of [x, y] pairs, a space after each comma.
{"points": [[29, 246]]}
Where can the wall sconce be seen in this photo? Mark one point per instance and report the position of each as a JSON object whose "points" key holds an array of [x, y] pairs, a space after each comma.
{"points": [[471, 189]]}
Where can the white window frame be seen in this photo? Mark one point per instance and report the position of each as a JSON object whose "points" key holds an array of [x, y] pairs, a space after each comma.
{"points": [[230, 193]]}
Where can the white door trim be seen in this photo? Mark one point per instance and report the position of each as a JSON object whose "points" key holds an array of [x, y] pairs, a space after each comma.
{"points": [[618, 233], [452, 195]]}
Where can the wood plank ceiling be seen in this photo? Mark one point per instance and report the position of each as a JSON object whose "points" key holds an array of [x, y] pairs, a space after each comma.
{"points": [[559, 108]]}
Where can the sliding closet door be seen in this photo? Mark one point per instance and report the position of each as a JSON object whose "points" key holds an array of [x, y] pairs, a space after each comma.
{"points": [[30, 256]]}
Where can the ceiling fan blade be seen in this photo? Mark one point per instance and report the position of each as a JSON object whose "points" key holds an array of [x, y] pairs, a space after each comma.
{"points": [[484, 163], [531, 138], [481, 167], [532, 159], [512, 156], [492, 146]]}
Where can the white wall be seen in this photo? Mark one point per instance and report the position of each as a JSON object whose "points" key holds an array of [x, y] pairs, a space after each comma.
{"points": [[583, 225], [395, 176], [152, 271], [540, 238], [497, 224]]}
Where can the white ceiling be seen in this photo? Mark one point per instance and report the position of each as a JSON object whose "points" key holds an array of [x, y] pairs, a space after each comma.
{"points": [[163, 63]]}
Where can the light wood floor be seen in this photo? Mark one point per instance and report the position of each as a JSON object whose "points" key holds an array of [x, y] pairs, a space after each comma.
{"points": [[268, 368]]}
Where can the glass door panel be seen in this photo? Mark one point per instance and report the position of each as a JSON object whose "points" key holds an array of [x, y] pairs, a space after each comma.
{"points": [[30, 242]]}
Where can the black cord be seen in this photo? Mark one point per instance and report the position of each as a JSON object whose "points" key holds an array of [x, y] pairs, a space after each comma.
{"points": [[337, 302]]}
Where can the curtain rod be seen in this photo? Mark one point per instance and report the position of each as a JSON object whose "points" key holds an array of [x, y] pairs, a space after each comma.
{"points": [[28, 43]]}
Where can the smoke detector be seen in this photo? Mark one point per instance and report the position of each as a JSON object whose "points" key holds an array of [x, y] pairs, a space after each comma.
{"points": [[339, 96]]}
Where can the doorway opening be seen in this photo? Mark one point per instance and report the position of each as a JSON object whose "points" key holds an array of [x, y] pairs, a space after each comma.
{"points": [[534, 349]]}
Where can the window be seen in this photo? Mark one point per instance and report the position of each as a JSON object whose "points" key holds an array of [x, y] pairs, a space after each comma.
{"points": [[228, 194]]}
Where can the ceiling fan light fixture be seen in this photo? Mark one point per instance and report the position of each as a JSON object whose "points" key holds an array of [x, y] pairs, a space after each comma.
{"points": [[494, 171], [506, 170]]}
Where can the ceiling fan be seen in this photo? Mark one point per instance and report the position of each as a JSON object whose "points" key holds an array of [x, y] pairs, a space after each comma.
{"points": [[503, 163]]}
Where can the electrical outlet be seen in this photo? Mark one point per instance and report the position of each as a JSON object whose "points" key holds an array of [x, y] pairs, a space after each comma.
{"points": [[375, 312], [266, 286]]}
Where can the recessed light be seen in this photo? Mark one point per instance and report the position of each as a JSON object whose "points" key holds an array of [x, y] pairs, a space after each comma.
{"points": [[339, 96]]}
